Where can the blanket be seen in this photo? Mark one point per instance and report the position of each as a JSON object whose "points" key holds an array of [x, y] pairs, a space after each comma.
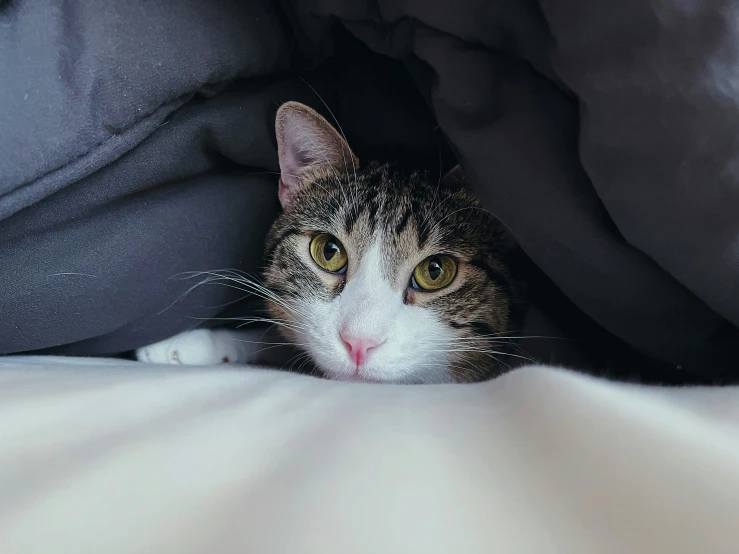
{"points": [[236, 460]]}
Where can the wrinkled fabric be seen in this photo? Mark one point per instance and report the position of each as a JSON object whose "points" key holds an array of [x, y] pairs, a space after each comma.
{"points": [[241, 459], [136, 145]]}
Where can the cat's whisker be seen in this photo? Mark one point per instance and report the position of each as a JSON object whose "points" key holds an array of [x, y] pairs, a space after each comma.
{"points": [[334, 202], [277, 322], [296, 356], [216, 281], [305, 362], [292, 325], [273, 322], [490, 353], [463, 366], [461, 349], [305, 357], [484, 372], [268, 345], [504, 337], [478, 372], [435, 209], [181, 296], [252, 286], [466, 347], [267, 292], [462, 210]]}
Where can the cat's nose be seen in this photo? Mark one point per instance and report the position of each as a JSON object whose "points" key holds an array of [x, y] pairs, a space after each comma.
{"points": [[359, 347]]}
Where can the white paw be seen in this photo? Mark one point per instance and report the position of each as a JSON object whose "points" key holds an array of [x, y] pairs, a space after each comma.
{"points": [[197, 347]]}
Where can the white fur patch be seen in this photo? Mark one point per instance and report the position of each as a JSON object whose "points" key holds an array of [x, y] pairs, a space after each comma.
{"points": [[370, 307], [201, 347]]}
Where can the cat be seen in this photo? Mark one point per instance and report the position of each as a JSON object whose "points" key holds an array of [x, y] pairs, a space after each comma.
{"points": [[378, 273]]}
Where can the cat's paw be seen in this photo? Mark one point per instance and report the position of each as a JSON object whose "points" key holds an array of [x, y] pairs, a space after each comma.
{"points": [[197, 347]]}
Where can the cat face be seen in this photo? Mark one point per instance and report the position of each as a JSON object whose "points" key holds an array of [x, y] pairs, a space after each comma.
{"points": [[382, 274]]}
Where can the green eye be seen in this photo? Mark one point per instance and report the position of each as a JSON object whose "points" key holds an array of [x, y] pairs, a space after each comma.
{"points": [[328, 252], [434, 273]]}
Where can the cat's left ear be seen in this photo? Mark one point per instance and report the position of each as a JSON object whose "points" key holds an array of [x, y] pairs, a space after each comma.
{"points": [[307, 142], [454, 178]]}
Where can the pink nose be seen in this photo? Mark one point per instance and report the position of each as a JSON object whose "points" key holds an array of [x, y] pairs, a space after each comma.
{"points": [[358, 348]]}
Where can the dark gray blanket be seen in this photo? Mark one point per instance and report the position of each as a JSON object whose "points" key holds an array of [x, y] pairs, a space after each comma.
{"points": [[136, 144]]}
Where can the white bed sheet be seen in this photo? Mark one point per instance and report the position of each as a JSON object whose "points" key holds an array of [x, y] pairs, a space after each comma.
{"points": [[105, 456]]}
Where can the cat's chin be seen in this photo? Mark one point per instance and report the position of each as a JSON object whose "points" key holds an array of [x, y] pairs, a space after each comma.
{"points": [[352, 378], [349, 376]]}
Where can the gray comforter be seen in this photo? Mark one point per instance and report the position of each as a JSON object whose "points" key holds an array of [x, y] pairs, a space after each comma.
{"points": [[136, 144]]}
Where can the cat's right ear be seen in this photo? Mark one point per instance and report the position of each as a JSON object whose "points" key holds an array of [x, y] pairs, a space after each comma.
{"points": [[306, 142]]}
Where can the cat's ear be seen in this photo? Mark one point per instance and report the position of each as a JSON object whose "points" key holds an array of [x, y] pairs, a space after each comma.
{"points": [[306, 142], [454, 178]]}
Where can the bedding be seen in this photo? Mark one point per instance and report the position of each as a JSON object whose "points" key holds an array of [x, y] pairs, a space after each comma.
{"points": [[136, 144], [119, 457]]}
